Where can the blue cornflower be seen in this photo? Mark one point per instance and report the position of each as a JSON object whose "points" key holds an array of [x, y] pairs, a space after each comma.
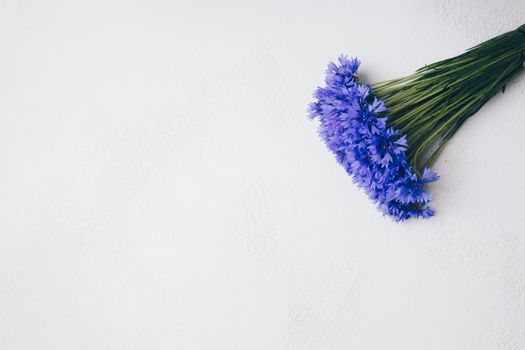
{"points": [[342, 75], [386, 145]]}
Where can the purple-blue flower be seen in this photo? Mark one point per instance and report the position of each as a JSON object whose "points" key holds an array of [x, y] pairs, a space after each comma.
{"points": [[354, 126]]}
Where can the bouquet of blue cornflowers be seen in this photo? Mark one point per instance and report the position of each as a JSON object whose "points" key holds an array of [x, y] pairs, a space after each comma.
{"points": [[388, 135]]}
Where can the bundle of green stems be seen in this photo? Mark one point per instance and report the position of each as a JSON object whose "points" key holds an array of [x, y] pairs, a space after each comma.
{"points": [[431, 104]]}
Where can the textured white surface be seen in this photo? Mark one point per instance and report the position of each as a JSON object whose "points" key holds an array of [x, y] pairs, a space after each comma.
{"points": [[161, 187]]}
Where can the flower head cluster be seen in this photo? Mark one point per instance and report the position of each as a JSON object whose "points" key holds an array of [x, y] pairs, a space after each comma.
{"points": [[355, 128]]}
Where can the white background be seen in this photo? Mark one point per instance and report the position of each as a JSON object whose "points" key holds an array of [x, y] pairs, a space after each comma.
{"points": [[162, 188]]}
